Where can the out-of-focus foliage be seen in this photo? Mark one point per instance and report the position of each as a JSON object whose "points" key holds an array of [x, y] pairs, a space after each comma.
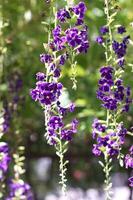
{"points": [[24, 37]]}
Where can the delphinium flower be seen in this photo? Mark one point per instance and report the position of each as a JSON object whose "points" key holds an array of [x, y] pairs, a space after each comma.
{"points": [[19, 190], [115, 97], [63, 45]]}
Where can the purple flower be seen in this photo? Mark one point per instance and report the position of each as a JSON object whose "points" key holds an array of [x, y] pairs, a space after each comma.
{"points": [[79, 10], [57, 31], [108, 141], [72, 107], [98, 127], [120, 49], [99, 40], [20, 190], [67, 134], [96, 151], [77, 39], [121, 29], [4, 159], [129, 158], [40, 76], [74, 125], [128, 161], [46, 58], [55, 122], [46, 93], [62, 15], [57, 72], [111, 98], [63, 58], [104, 30]]}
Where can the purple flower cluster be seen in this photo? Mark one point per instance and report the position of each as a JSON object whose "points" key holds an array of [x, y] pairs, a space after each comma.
{"points": [[46, 93], [74, 37], [120, 49], [113, 93], [19, 190], [4, 159], [108, 140], [79, 10], [56, 126], [48, 90]]}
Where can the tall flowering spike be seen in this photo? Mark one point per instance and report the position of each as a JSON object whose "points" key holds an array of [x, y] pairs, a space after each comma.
{"points": [[73, 39], [63, 46], [115, 97]]}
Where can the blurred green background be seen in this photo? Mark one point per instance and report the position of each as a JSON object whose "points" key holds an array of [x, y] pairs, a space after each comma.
{"points": [[24, 39]]}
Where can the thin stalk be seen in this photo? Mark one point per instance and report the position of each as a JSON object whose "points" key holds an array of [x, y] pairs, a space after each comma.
{"points": [[109, 58], [62, 169], [108, 184]]}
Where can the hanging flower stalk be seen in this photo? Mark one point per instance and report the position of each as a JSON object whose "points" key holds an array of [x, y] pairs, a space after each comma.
{"points": [[116, 98], [17, 188], [4, 149], [66, 40]]}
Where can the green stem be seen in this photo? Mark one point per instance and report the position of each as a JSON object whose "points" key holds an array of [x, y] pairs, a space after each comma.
{"points": [[108, 184], [62, 169]]}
